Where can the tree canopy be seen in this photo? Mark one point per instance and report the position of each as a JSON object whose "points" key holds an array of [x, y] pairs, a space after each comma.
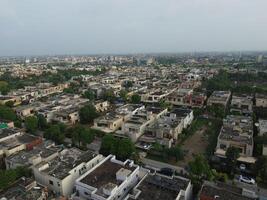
{"points": [[31, 124], [88, 113]]}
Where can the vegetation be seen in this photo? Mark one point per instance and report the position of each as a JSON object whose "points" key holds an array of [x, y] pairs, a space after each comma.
{"points": [[81, 135], [87, 114], [199, 170], [261, 169], [89, 94], [31, 124], [123, 148], [163, 154], [7, 113], [4, 87], [56, 132], [232, 154], [136, 99], [8, 177]]}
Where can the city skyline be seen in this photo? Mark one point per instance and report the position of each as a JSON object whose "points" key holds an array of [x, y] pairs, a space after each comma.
{"points": [[128, 27]]}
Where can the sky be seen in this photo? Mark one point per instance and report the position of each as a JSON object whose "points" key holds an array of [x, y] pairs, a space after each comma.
{"points": [[38, 27]]}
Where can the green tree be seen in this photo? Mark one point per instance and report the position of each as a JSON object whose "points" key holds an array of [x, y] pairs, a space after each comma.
{"points": [[89, 94], [136, 99], [232, 154], [109, 95], [199, 170], [4, 87], [123, 95], [9, 104], [107, 144], [175, 152], [87, 114], [42, 123], [55, 133], [31, 124], [261, 168], [122, 148], [7, 113]]}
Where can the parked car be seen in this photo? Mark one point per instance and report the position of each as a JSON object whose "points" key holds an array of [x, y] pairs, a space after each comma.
{"points": [[246, 179]]}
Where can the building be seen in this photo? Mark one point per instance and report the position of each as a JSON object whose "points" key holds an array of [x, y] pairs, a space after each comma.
{"points": [[113, 121], [136, 125], [29, 158], [109, 179], [262, 128], [242, 104], [261, 100], [60, 173], [222, 191], [24, 189], [159, 187], [237, 131], [219, 98]]}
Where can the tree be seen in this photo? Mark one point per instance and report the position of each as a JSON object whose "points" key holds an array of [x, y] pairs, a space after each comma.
{"points": [[125, 148], [81, 135], [7, 113], [42, 123], [89, 94], [123, 95], [9, 104], [88, 113], [136, 99], [55, 132], [31, 124], [199, 170], [109, 95], [4, 87], [122, 148], [261, 168], [175, 152], [232, 154], [107, 144]]}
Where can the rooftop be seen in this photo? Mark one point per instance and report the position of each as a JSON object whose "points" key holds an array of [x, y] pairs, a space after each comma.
{"points": [[163, 187]]}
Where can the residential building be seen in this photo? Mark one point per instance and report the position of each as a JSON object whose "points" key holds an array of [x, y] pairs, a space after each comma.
{"points": [[60, 173], [157, 187], [109, 179], [222, 191], [219, 98]]}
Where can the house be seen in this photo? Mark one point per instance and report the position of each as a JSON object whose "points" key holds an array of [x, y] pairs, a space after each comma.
{"points": [[262, 128], [219, 98], [113, 121], [101, 106], [4, 99], [166, 129], [261, 100], [45, 152], [136, 125], [109, 179], [24, 189], [222, 191], [157, 187], [18, 142], [60, 173], [237, 131], [242, 104]]}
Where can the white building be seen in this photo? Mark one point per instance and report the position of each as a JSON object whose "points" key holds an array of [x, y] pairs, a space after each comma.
{"points": [[59, 174]]}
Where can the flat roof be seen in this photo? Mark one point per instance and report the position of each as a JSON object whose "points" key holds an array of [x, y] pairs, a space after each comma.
{"points": [[105, 174], [164, 188]]}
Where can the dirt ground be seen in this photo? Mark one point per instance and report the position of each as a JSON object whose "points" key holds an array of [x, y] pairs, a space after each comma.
{"points": [[196, 144]]}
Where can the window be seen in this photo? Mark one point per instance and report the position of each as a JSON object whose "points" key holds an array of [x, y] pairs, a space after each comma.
{"points": [[51, 182]]}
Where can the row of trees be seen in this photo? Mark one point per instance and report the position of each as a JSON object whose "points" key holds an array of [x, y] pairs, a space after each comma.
{"points": [[174, 152], [123, 148]]}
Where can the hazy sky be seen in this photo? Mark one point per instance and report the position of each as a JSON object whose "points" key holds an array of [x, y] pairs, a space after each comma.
{"points": [[131, 26]]}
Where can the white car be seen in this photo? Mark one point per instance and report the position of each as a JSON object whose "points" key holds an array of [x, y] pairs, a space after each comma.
{"points": [[245, 179]]}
